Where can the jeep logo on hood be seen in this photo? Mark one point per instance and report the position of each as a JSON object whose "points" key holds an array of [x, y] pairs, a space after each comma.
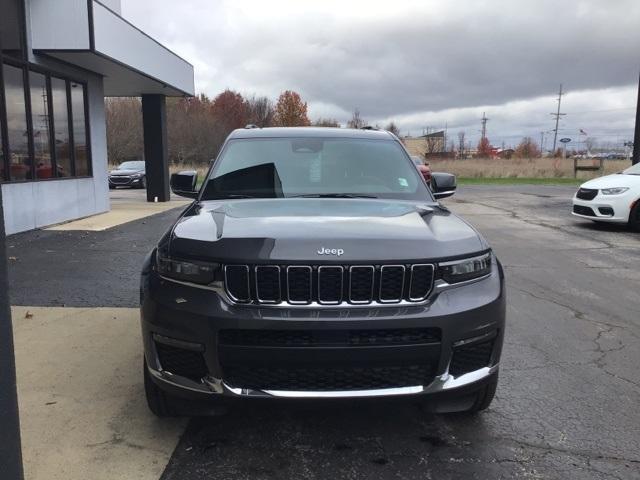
{"points": [[331, 251]]}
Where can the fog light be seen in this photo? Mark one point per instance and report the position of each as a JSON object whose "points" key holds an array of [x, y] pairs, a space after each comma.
{"points": [[606, 211]]}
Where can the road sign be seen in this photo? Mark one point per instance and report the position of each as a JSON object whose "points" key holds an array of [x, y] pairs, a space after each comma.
{"points": [[565, 140]]}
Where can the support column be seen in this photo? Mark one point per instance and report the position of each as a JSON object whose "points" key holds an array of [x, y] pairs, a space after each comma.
{"points": [[10, 449], [156, 152], [636, 137]]}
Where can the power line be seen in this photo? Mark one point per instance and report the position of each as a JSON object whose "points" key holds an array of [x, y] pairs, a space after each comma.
{"points": [[557, 115]]}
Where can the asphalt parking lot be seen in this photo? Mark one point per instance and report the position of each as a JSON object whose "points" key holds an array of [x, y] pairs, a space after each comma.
{"points": [[566, 406]]}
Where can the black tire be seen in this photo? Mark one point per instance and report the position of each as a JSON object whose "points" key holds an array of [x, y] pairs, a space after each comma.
{"points": [[160, 404], [143, 183], [485, 396], [634, 217]]}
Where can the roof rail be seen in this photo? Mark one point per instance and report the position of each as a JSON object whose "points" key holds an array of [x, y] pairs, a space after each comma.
{"points": [[369, 127], [250, 126]]}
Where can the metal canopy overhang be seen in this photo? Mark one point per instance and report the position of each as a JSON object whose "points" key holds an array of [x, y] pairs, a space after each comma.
{"points": [[91, 36], [119, 80]]}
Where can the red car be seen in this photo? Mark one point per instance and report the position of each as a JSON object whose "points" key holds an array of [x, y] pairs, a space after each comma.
{"points": [[423, 167]]}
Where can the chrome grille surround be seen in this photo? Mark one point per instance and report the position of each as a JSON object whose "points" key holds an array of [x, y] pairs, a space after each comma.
{"points": [[352, 268], [343, 292], [411, 278], [227, 272], [390, 299], [292, 268], [258, 274], [328, 268]]}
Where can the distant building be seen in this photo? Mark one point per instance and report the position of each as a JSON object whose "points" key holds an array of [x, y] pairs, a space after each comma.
{"points": [[429, 145]]}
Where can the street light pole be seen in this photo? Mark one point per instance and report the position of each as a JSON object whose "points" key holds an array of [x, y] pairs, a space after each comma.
{"points": [[10, 448], [636, 136]]}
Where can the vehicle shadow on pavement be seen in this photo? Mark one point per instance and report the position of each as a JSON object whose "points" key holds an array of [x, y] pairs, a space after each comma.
{"points": [[336, 439]]}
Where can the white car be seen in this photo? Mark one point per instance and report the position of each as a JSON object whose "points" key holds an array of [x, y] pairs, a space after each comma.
{"points": [[612, 198]]}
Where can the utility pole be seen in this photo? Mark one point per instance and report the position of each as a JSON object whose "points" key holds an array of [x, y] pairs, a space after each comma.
{"points": [[557, 115], [484, 125], [542, 142], [636, 136], [10, 449]]}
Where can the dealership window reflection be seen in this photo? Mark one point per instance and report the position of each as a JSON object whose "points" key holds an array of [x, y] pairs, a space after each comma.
{"points": [[17, 131], [61, 127], [40, 124], [79, 130]]}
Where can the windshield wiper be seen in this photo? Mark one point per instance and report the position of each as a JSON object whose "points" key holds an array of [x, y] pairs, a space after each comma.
{"points": [[333, 195], [234, 195]]}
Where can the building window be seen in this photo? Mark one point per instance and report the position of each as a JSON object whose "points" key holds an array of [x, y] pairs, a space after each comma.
{"points": [[46, 134], [40, 122], [61, 138], [79, 129], [17, 131]]}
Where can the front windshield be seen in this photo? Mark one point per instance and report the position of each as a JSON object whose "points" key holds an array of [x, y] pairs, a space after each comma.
{"points": [[135, 165], [314, 167], [633, 170]]}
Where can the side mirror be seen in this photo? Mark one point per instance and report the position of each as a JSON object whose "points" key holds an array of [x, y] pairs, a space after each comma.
{"points": [[443, 185], [185, 183]]}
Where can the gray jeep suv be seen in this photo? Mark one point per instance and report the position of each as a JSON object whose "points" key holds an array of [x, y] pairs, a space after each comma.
{"points": [[317, 263]]}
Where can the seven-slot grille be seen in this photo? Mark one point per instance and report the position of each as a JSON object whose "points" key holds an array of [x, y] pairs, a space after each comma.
{"points": [[328, 284]]}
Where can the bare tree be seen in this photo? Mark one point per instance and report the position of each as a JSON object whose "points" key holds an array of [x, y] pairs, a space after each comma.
{"points": [[124, 129], [326, 122], [356, 120], [260, 111], [461, 144], [393, 128]]}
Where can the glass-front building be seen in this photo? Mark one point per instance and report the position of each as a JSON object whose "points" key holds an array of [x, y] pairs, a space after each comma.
{"points": [[54, 76]]}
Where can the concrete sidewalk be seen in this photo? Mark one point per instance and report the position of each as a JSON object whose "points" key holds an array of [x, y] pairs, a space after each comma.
{"points": [[126, 206], [83, 411]]}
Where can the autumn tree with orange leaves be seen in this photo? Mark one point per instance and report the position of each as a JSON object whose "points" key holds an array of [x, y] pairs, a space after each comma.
{"points": [[484, 148], [230, 110], [291, 111]]}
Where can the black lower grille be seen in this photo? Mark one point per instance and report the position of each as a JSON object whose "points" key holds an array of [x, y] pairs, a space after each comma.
{"points": [[468, 358], [587, 193], [179, 361], [581, 210], [328, 378], [320, 338]]}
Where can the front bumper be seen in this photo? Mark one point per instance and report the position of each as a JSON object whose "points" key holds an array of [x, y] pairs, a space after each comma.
{"points": [[604, 208], [190, 318], [124, 181]]}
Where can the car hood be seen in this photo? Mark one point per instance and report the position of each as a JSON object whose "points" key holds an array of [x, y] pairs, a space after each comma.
{"points": [[615, 180], [118, 173], [294, 230]]}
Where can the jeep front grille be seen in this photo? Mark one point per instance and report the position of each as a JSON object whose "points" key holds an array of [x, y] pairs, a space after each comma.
{"points": [[328, 284]]}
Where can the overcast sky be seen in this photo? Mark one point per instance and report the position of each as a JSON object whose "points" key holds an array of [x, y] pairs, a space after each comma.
{"points": [[420, 63]]}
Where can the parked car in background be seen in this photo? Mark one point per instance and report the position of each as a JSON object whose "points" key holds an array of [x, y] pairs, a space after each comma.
{"points": [[128, 174], [424, 168], [612, 198], [316, 263]]}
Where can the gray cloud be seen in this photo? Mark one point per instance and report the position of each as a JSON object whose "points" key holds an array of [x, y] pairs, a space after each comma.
{"points": [[416, 61]]}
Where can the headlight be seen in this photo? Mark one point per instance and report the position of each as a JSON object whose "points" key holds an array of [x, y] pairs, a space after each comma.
{"points": [[465, 269], [614, 191], [137, 175], [188, 271]]}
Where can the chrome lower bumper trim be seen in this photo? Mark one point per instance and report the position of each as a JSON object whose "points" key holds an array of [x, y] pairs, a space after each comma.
{"points": [[214, 386]]}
